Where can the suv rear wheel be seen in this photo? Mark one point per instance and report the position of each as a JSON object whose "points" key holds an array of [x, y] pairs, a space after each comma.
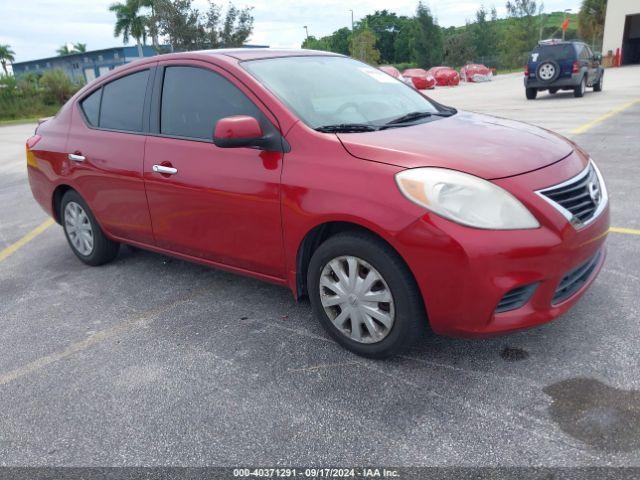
{"points": [[532, 93], [597, 87], [580, 89]]}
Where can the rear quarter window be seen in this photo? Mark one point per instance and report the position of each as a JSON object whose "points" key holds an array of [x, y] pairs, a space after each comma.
{"points": [[91, 107]]}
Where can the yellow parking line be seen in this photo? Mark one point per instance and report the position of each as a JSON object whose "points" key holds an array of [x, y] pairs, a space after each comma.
{"points": [[26, 239], [602, 118], [628, 231]]}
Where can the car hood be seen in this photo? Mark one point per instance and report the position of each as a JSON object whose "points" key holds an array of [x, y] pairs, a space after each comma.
{"points": [[485, 146]]}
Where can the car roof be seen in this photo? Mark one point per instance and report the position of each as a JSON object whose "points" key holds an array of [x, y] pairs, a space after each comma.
{"points": [[259, 53]]}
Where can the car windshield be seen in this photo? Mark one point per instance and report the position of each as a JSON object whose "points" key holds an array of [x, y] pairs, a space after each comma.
{"points": [[555, 52], [336, 91]]}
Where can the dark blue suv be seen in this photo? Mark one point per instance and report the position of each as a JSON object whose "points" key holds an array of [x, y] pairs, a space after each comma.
{"points": [[558, 65]]}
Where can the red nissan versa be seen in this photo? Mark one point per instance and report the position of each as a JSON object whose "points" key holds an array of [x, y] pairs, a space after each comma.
{"points": [[323, 174]]}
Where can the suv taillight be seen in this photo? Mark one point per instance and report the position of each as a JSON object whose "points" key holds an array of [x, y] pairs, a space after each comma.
{"points": [[526, 70], [576, 68]]}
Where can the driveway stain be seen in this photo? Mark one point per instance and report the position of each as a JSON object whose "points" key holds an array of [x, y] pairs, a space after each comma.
{"points": [[603, 417], [514, 354]]}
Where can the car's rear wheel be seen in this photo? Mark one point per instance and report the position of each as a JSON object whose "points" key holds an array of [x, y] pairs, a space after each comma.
{"points": [[553, 91], [85, 237], [597, 87], [364, 295], [531, 93], [580, 89]]}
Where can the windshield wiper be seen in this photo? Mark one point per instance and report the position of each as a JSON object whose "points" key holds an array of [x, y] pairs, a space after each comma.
{"points": [[409, 117], [347, 128]]}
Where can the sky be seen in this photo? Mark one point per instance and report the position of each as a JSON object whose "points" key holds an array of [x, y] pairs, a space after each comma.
{"points": [[36, 28]]}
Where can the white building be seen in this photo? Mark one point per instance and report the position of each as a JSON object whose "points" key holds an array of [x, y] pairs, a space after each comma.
{"points": [[622, 30]]}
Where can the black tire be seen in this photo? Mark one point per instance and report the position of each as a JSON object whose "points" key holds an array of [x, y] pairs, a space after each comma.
{"points": [[531, 93], [597, 87], [409, 320], [578, 92], [553, 91], [104, 250]]}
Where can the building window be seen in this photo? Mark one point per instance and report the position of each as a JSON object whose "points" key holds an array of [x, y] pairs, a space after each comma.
{"points": [[115, 55], [48, 64], [26, 67], [37, 66], [86, 59], [100, 59]]}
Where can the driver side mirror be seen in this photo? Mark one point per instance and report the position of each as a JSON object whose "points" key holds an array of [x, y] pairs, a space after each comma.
{"points": [[597, 57], [243, 131]]}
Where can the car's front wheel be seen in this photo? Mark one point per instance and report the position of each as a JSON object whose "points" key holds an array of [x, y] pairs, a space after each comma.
{"points": [[580, 89], [85, 237], [531, 93], [364, 295]]}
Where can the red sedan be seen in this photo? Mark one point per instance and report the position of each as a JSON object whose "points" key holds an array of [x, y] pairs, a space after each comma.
{"points": [[320, 173], [421, 79]]}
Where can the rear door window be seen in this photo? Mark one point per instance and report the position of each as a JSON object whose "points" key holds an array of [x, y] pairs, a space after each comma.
{"points": [[194, 99], [123, 102]]}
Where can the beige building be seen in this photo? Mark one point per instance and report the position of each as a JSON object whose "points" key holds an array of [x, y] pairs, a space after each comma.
{"points": [[622, 30]]}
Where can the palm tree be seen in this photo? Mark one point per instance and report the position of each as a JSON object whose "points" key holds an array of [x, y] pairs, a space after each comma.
{"points": [[80, 47], [64, 50], [152, 21], [6, 55], [129, 22]]}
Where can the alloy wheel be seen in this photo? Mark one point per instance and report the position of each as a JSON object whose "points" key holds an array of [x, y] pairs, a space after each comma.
{"points": [[357, 299]]}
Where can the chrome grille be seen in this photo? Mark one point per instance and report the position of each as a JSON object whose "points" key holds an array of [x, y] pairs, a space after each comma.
{"points": [[581, 198]]}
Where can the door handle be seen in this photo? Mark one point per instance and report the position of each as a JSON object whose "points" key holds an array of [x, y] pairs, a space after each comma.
{"points": [[165, 170], [76, 158]]}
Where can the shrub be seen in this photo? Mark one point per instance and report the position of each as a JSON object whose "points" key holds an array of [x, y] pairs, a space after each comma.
{"points": [[58, 87]]}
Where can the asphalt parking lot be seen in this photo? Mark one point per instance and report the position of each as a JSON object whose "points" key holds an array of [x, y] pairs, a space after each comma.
{"points": [[154, 361]]}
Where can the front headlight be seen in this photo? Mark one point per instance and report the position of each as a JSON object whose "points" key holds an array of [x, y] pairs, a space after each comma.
{"points": [[465, 199]]}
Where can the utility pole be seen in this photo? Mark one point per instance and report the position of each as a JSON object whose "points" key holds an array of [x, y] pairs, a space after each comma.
{"points": [[307, 31], [351, 20]]}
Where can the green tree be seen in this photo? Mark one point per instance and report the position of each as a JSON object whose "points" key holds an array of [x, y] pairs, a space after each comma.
{"points": [[57, 85], [180, 23], [459, 48], [522, 32], [591, 21], [313, 43], [63, 50], [428, 41], [6, 56], [404, 45], [130, 22], [484, 32], [75, 48], [363, 46], [339, 41], [385, 26]]}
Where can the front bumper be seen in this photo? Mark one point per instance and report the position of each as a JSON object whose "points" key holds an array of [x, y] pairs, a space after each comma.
{"points": [[463, 273]]}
